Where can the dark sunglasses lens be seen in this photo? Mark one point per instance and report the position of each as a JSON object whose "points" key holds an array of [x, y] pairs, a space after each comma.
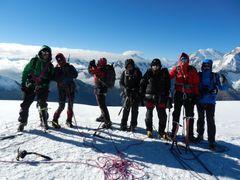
{"points": [[184, 59], [45, 53], [206, 66]]}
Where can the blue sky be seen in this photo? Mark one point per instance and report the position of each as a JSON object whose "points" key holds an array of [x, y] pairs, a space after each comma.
{"points": [[157, 28]]}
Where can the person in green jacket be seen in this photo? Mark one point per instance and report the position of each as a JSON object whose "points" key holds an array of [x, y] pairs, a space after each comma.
{"points": [[36, 77]]}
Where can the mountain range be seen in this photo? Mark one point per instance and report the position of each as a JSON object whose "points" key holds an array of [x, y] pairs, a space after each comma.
{"points": [[13, 58]]}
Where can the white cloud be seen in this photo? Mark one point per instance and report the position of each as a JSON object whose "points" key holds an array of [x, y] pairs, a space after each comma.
{"points": [[130, 53], [19, 51]]}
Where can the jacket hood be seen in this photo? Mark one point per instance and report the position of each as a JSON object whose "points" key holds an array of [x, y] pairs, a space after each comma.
{"points": [[102, 62], [207, 61], [183, 61], [45, 48]]}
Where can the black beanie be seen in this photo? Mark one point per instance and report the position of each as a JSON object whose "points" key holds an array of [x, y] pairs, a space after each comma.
{"points": [[155, 62], [129, 61]]}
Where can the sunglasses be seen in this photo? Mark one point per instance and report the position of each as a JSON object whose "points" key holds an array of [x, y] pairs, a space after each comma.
{"points": [[45, 53], [206, 66], [184, 59]]}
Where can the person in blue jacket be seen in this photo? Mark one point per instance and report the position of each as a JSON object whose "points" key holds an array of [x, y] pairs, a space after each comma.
{"points": [[210, 83]]}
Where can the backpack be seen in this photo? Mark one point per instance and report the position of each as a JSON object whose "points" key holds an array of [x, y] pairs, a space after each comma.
{"points": [[110, 78]]}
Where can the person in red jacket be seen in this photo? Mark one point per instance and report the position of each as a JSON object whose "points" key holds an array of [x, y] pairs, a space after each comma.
{"points": [[99, 73], [186, 92]]}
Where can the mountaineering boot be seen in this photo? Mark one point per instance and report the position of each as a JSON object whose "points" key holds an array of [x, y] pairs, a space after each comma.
{"points": [[199, 138], [123, 128], [131, 128], [149, 134], [69, 123], [21, 127], [100, 119], [107, 125], [212, 146], [165, 136], [193, 139], [55, 124]]}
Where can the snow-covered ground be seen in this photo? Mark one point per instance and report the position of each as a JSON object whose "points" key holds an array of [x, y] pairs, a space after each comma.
{"points": [[77, 154]]}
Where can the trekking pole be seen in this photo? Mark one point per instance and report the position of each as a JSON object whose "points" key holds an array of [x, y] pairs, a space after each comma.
{"points": [[187, 133], [183, 129], [95, 133], [125, 104], [184, 98], [169, 111], [174, 141], [120, 111]]}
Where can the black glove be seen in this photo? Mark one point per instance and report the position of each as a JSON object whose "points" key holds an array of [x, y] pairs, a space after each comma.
{"points": [[205, 90], [23, 88], [92, 63], [194, 98], [169, 103]]}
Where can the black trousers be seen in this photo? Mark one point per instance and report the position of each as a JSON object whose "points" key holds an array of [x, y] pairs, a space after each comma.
{"points": [[188, 105], [209, 110], [133, 107], [28, 98], [162, 116], [63, 95], [101, 100]]}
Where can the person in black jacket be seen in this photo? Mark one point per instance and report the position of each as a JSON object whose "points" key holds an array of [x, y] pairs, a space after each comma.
{"points": [[129, 82], [64, 75], [154, 88]]}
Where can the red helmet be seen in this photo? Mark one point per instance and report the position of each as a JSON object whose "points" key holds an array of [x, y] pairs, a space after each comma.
{"points": [[102, 61]]}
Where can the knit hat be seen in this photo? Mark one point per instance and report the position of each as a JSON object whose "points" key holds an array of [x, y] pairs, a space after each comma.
{"points": [[156, 62], [129, 61]]}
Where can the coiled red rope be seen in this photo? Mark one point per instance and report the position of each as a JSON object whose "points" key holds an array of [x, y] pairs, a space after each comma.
{"points": [[115, 167]]}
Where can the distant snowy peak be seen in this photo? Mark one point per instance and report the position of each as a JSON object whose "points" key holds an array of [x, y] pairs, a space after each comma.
{"points": [[231, 61], [208, 54], [8, 84], [201, 54]]}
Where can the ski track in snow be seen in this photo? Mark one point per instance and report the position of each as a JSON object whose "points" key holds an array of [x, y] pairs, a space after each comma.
{"points": [[77, 154]]}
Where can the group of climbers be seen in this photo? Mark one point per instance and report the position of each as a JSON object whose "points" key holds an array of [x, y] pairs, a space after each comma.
{"points": [[153, 88]]}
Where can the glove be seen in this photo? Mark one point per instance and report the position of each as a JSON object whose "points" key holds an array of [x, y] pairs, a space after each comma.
{"points": [[193, 98], [92, 63], [205, 90], [223, 79], [169, 103]]}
